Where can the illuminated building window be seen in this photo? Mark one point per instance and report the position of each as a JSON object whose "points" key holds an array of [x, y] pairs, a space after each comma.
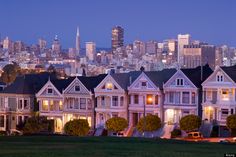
{"points": [[45, 105], [109, 86], [149, 100], [225, 94], [60, 106]]}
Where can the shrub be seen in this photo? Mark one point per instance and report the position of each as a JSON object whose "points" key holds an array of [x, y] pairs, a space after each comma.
{"points": [[231, 124], [176, 133], [190, 123], [152, 123], [77, 127], [35, 124], [116, 124]]}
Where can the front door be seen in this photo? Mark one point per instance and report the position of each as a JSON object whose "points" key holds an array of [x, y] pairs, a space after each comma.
{"points": [[58, 125], [209, 114]]}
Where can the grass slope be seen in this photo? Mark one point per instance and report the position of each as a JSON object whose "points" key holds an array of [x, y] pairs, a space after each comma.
{"points": [[52, 146]]}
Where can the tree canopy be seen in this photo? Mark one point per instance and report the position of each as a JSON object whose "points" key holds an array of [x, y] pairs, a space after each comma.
{"points": [[190, 123], [116, 124], [150, 123]]}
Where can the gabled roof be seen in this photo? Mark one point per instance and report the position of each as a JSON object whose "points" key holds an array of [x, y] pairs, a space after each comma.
{"points": [[126, 79], [28, 84], [61, 84], [91, 82], [230, 71], [194, 74], [160, 77]]}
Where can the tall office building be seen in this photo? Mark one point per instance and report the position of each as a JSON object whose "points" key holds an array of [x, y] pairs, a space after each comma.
{"points": [[151, 47], [183, 39], [139, 48], [90, 50], [42, 44], [117, 39], [56, 46], [197, 55], [77, 44]]}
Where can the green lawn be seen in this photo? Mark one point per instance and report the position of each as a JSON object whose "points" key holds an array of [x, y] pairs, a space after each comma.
{"points": [[62, 146]]}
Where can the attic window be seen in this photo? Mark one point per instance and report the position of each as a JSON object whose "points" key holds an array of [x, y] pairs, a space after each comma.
{"points": [[179, 82], [109, 86], [144, 84], [49, 91], [77, 88], [220, 78]]}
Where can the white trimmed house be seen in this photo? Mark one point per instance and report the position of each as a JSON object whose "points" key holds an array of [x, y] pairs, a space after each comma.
{"points": [[111, 96], [146, 96], [219, 95], [183, 93]]}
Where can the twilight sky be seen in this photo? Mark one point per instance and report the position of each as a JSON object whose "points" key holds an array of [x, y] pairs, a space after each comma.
{"points": [[213, 21]]}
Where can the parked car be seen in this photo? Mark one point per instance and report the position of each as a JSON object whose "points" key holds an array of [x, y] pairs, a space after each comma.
{"points": [[223, 140], [195, 135]]}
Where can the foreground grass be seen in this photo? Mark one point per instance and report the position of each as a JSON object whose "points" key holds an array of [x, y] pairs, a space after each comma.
{"points": [[51, 146]]}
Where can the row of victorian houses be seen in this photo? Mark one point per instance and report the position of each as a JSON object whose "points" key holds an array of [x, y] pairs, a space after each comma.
{"points": [[170, 94]]}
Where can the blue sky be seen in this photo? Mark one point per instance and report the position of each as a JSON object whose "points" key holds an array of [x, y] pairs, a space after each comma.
{"points": [[213, 21]]}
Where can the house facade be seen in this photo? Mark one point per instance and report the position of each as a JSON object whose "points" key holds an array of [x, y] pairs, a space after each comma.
{"points": [[219, 95], [17, 100], [111, 96]]}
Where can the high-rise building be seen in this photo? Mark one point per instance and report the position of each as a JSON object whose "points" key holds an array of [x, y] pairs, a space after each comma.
{"points": [[183, 39], [19, 46], [77, 44], [197, 55], [139, 48], [56, 46], [90, 50], [117, 39], [151, 47], [42, 44], [8, 45]]}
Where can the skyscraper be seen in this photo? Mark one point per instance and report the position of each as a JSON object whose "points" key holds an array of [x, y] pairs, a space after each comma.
{"points": [[77, 44], [183, 39], [56, 46], [90, 50], [117, 39], [42, 44]]}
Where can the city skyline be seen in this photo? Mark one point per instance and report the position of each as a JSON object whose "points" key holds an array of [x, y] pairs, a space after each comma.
{"points": [[215, 27]]}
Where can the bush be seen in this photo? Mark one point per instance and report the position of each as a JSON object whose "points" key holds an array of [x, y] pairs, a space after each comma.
{"points": [[3, 133], [231, 124], [176, 133], [152, 123], [77, 127], [116, 124], [190, 123], [35, 124]]}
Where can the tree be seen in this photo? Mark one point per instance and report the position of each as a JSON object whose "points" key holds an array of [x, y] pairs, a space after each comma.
{"points": [[190, 123], [77, 127], [152, 123], [231, 124], [116, 124], [10, 71]]}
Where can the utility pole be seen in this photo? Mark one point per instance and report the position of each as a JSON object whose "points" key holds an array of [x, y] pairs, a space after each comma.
{"points": [[144, 116]]}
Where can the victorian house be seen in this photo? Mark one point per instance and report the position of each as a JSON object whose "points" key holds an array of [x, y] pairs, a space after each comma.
{"points": [[145, 94], [219, 95], [67, 99], [183, 93], [17, 100]]}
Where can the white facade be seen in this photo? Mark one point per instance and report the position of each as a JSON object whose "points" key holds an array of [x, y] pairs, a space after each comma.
{"points": [[181, 98], [90, 50], [145, 97], [219, 97]]}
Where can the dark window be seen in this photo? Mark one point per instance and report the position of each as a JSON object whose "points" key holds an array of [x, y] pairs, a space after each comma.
{"points": [[232, 111], [114, 100], [77, 88], [144, 84], [82, 103], [156, 99], [136, 97], [193, 98], [49, 90], [1, 121], [180, 82], [26, 104]]}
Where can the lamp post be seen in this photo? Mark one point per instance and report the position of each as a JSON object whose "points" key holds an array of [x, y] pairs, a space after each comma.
{"points": [[144, 116]]}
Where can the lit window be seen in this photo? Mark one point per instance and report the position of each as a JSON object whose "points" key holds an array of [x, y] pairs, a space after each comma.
{"points": [[149, 99], [60, 106], [109, 86], [77, 88], [225, 94], [179, 82], [45, 105]]}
